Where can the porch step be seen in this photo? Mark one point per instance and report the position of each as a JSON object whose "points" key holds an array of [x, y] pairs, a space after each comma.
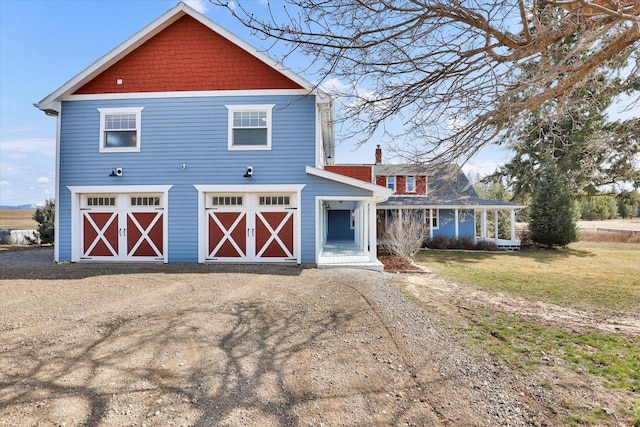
{"points": [[372, 266]]}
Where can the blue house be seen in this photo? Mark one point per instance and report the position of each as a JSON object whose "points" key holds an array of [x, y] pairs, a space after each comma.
{"points": [[440, 197], [186, 144]]}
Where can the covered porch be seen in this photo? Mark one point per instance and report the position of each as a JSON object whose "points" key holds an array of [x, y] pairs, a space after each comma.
{"points": [[511, 242], [347, 237], [478, 219], [345, 223]]}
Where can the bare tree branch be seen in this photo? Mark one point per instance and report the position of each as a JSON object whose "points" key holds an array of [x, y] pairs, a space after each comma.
{"points": [[455, 73]]}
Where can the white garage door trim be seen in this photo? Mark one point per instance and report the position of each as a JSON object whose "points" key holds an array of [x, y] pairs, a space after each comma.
{"points": [[295, 189], [76, 213]]}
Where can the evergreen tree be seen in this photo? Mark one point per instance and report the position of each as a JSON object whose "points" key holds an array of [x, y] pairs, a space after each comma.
{"points": [[552, 215], [45, 217], [589, 148]]}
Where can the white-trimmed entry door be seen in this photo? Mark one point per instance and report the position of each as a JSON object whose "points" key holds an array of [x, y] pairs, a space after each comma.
{"points": [[122, 227], [251, 227]]}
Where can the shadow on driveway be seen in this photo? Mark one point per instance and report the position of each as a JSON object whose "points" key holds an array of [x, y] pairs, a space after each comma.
{"points": [[38, 263]]}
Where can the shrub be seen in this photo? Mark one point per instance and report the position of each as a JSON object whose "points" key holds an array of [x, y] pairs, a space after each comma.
{"points": [[437, 242], [462, 243], [486, 245], [405, 234]]}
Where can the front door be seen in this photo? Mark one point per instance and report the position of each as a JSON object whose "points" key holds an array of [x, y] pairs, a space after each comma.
{"points": [[122, 227], [250, 227]]}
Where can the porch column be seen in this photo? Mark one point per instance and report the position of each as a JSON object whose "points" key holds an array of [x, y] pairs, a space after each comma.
{"points": [[357, 226], [513, 224], [373, 249], [431, 224], [483, 224], [495, 225], [456, 223]]}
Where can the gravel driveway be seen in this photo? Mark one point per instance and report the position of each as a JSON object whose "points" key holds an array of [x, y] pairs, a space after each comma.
{"points": [[200, 345]]}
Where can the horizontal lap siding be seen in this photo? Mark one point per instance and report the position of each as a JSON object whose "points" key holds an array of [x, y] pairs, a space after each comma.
{"points": [[184, 130], [466, 224]]}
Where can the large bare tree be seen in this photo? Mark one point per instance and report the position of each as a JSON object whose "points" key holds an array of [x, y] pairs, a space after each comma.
{"points": [[456, 73]]}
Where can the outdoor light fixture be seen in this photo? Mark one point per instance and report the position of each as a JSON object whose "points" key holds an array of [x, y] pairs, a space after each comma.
{"points": [[249, 172], [116, 172]]}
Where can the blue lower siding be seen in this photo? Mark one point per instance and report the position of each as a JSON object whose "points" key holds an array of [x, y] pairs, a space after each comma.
{"points": [[446, 223], [192, 131], [446, 220], [182, 213]]}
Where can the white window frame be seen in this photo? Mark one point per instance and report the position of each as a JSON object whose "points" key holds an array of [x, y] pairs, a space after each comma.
{"points": [[406, 184], [249, 108], [392, 180], [104, 112], [436, 216]]}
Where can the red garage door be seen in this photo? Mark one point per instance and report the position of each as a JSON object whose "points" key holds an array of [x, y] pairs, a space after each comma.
{"points": [[250, 227], [123, 227]]}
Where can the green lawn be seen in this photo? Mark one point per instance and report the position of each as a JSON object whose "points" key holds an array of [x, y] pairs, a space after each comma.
{"points": [[585, 275]]}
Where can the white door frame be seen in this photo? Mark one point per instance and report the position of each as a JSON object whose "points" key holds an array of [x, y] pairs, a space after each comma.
{"points": [[294, 189], [76, 219]]}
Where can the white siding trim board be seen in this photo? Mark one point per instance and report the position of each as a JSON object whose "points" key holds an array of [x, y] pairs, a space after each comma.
{"points": [[186, 94]]}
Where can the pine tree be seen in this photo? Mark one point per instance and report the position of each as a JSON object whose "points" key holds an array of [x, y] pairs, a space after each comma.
{"points": [[552, 215], [45, 217]]}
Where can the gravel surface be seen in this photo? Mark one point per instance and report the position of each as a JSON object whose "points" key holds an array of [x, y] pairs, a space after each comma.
{"points": [[200, 345]]}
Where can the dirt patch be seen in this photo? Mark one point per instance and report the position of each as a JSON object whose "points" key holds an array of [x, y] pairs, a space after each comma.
{"points": [[178, 344], [573, 390], [445, 292], [395, 264]]}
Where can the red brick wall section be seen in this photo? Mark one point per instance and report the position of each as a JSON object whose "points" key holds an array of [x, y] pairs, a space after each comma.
{"points": [[361, 172], [421, 185], [187, 56], [401, 184]]}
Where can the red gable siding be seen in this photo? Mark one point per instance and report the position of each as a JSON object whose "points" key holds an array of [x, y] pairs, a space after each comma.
{"points": [[187, 56], [362, 173]]}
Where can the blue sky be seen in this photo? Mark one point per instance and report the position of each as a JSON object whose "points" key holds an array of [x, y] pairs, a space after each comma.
{"points": [[44, 43]]}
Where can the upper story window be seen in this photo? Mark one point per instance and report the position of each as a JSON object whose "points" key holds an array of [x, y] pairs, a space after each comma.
{"points": [[391, 182], [120, 129], [410, 186], [249, 127]]}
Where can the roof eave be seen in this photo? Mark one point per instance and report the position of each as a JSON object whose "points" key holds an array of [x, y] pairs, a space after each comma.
{"points": [[379, 192]]}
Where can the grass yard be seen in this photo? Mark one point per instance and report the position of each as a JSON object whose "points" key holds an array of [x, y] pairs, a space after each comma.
{"points": [[585, 275], [598, 277]]}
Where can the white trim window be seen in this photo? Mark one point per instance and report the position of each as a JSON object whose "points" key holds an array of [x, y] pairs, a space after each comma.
{"points": [[249, 127], [120, 129], [434, 219], [391, 182], [410, 184]]}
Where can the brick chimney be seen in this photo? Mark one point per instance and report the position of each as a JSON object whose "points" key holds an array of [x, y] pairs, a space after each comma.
{"points": [[378, 154]]}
